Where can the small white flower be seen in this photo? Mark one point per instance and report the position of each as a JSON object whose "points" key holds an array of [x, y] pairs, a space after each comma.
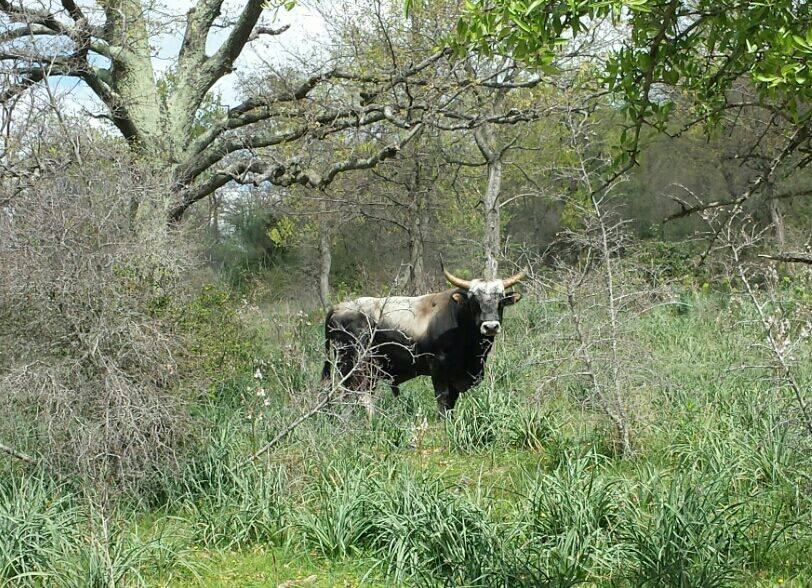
{"points": [[258, 374], [261, 392], [267, 402]]}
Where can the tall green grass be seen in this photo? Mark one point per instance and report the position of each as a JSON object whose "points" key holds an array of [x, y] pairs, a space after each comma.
{"points": [[514, 488], [39, 530], [489, 418], [229, 503], [50, 536]]}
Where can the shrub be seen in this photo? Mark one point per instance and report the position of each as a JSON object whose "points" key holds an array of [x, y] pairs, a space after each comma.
{"points": [[89, 367]]}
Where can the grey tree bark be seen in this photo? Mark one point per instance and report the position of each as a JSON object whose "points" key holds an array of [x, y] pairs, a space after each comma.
{"points": [[776, 215], [158, 120], [491, 240], [325, 262], [214, 217], [493, 155], [417, 282]]}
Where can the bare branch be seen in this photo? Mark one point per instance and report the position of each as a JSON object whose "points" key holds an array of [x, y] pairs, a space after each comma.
{"points": [[789, 257], [258, 109], [23, 32], [221, 62], [271, 32], [286, 174], [75, 12], [687, 210], [25, 82], [18, 454], [325, 124], [387, 152]]}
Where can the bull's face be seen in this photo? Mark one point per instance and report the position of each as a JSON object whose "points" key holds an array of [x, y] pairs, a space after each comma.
{"points": [[486, 300]]}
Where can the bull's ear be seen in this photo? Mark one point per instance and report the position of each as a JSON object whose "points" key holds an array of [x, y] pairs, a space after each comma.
{"points": [[458, 297], [511, 298]]}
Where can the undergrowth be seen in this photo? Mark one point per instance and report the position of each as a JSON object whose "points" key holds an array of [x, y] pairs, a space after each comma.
{"points": [[520, 487]]}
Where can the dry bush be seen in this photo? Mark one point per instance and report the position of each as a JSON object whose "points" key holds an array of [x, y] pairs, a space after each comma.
{"points": [[782, 306], [603, 292], [88, 267]]}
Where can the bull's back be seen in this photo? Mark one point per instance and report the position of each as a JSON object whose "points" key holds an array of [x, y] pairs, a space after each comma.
{"points": [[410, 316]]}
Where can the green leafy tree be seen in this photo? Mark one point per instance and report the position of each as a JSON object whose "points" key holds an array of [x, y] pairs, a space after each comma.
{"points": [[702, 47]]}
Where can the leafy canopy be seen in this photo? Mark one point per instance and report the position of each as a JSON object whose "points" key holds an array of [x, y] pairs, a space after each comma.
{"points": [[702, 46]]}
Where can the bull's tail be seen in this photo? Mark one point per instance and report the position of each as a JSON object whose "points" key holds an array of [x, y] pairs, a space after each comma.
{"points": [[325, 371]]}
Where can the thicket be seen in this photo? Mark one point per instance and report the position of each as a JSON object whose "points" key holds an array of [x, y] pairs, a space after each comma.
{"points": [[138, 383], [140, 388], [111, 330]]}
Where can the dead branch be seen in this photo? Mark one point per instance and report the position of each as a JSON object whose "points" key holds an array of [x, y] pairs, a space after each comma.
{"points": [[795, 140], [789, 257], [18, 454], [366, 352]]}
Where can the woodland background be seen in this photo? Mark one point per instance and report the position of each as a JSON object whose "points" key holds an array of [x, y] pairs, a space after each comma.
{"points": [[186, 187]]}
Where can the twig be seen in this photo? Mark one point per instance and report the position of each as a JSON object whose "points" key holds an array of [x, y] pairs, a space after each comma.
{"points": [[325, 400], [783, 365], [18, 454], [287, 430], [789, 257]]}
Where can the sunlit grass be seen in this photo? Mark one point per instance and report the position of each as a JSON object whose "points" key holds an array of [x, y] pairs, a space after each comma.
{"points": [[518, 488]]}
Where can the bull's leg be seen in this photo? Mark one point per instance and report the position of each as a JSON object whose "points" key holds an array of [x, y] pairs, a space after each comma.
{"points": [[446, 396], [395, 390], [453, 395]]}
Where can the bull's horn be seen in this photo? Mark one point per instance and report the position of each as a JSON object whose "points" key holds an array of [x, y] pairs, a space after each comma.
{"points": [[455, 281], [513, 280]]}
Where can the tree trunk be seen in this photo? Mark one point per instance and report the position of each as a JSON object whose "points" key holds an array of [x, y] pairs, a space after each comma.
{"points": [[417, 273], [214, 217], [132, 76], [325, 262], [491, 239], [416, 283], [776, 216]]}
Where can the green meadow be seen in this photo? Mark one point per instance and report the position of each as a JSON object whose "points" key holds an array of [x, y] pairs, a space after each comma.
{"points": [[522, 486]]}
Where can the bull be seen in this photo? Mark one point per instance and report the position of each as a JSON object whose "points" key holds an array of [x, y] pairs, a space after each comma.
{"points": [[446, 335]]}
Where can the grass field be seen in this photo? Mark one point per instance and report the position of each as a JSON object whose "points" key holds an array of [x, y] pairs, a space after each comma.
{"points": [[522, 487]]}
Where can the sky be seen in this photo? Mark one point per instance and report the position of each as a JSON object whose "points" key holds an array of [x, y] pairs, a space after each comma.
{"points": [[306, 26]]}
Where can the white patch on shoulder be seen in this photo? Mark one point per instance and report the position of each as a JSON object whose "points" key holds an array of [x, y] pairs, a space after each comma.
{"points": [[395, 312]]}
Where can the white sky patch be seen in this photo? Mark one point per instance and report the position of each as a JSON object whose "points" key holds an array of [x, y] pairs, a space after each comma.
{"points": [[307, 27]]}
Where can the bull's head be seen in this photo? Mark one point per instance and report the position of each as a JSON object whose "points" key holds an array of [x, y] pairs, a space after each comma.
{"points": [[486, 299]]}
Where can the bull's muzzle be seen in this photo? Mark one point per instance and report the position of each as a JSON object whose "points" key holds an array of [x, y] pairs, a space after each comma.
{"points": [[490, 328]]}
